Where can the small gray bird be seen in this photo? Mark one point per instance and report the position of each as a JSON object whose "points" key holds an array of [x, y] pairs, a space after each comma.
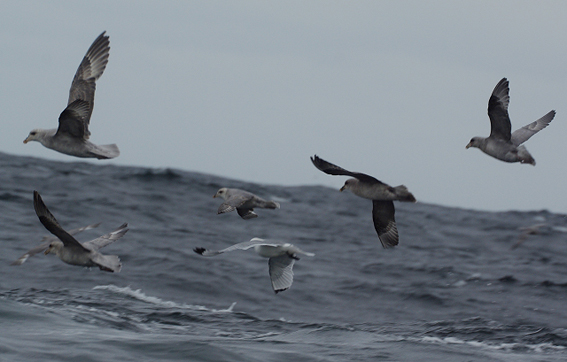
{"points": [[502, 144], [243, 201], [381, 194], [281, 256], [69, 250], [71, 138]]}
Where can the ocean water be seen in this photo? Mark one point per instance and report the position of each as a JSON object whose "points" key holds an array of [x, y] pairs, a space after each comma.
{"points": [[455, 289]]}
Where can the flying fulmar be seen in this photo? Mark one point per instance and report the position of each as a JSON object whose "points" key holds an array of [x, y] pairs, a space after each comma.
{"points": [[69, 250], [71, 138], [381, 194], [243, 201], [502, 144], [47, 240]]}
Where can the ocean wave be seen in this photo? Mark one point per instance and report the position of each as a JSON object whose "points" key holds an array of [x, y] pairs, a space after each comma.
{"points": [[141, 296], [511, 347]]}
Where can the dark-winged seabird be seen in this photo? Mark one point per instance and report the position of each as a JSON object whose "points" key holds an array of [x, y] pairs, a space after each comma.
{"points": [[381, 194], [502, 144], [69, 250], [71, 138]]}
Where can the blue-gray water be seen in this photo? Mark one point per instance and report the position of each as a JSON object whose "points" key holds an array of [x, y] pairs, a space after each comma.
{"points": [[453, 290]]}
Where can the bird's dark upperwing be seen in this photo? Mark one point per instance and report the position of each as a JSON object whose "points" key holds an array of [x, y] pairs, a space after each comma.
{"points": [[500, 126], [91, 68], [331, 169], [72, 120], [51, 224]]}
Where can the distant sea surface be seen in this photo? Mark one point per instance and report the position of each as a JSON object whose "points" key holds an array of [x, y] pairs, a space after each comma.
{"points": [[455, 289]]}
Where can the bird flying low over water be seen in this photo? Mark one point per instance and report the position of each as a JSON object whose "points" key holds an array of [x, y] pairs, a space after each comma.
{"points": [[243, 201], [381, 194], [502, 143], [69, 250], [47, 240], [71, 138], [281, 256]]}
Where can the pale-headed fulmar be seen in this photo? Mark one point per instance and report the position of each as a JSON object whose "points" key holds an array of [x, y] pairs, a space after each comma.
{"points": [[502, 143], [243, 201], [71, 138], [381, 194], [69, 250]]}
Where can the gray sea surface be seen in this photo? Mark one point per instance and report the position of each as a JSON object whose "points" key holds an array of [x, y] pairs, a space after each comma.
{"points": [[461, 286]]}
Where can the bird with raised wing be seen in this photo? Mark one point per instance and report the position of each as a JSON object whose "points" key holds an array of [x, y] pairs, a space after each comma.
{"points": [[502, 144], [69, 250], [47, 240], [71, 137]]}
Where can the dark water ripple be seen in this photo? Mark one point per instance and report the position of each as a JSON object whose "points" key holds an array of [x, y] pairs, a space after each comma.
{"points": [[453, 290]]}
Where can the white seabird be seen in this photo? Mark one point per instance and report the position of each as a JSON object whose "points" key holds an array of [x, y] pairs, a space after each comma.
{"points": [[281, 256]]}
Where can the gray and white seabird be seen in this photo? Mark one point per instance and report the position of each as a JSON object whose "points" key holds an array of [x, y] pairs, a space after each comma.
{"points": [[243, 201], [71, 138], [502, 143], [69, 250], [381, 194], [47, 240], [281, 256]]}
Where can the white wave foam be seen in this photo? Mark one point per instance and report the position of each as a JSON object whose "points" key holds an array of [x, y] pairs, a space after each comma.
{"points": [[539, 348], [139, 295]]}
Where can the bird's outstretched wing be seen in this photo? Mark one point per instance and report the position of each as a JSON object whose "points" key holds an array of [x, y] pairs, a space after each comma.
{"points": [[332, 169], [240, 246], [107, 239], [385, 223], [91, 68], [521, 135], [281, 272], [500, 126], [51, 224], [72, 121]]}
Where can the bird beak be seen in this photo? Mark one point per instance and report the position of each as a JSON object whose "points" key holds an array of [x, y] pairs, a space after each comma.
{"points": [[215, 195], [342, 189], [469, 145], [47, 251], [27, 140]]}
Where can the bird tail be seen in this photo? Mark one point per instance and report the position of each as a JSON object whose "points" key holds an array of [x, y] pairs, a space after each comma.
{"points": [[273, 205], [525, 156], [403, 194], [269, 204], [107, 151]]}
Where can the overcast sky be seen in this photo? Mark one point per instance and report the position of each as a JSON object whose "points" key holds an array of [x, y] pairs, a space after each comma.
{"points": [[249, 90]]}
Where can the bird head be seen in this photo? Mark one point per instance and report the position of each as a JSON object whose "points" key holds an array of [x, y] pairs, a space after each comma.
{"points": [[34, 135], [349, 184], [221, 193], [475, 142], [54, 247]]}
